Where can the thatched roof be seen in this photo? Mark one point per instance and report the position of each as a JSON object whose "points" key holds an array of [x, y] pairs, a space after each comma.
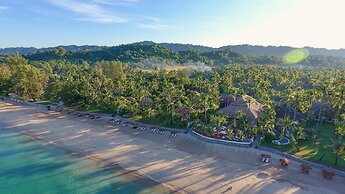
{"points": [[146, 102], [182, 111], [288, 111], [226, 99], [316, 106], [246, 103]]}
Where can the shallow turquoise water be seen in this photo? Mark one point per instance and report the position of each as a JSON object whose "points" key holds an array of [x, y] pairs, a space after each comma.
{"points": [[29, 167]]}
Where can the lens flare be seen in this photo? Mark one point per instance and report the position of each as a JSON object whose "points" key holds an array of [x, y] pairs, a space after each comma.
{"points": [[295, 56]]}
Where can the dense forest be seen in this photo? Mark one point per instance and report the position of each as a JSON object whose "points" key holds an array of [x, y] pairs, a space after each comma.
{"points": [[169, 53], [175, 98], [134, 53]]}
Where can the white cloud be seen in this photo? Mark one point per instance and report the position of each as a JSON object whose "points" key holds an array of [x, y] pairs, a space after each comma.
{"points": [[155, 23], [3, 8], [89, 11], [116, 2]]}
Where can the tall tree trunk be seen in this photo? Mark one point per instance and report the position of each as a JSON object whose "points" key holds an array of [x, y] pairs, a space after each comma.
{"points": [[322, 156], [336, 160], [318, 119], [294, 114]]}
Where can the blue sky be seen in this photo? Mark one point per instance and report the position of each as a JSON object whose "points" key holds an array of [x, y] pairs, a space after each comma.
{"points": [[42, 23]]}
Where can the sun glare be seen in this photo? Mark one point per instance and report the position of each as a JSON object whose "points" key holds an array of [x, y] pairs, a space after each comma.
{"points": [[295, 56]]}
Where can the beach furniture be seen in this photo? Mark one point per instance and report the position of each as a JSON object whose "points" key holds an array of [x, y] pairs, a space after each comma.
{"points": [[142, 128], [153, 130], [112, 120], [161, 131], [265, 158], [284, 162], [328, 174], [305, 168], [173, 134]]}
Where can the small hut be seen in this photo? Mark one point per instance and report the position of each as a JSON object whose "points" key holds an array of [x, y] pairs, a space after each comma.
{"points": [[146, 102], [287, 111], [246, 103], [323, 110]]}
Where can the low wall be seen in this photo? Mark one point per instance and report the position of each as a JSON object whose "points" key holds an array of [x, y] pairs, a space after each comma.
{"points": [[222, 142], [294, 158]]}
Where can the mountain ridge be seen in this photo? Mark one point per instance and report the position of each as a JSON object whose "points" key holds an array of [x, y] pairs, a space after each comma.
{"points": [[245, 49]]}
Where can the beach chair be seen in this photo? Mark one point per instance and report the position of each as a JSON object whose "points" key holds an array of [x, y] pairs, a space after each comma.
{"points": [[161, 131], [265, 158], [328, 174], [173, 134], [112, 120], [284, 162], [153, 130], [305, 168]]}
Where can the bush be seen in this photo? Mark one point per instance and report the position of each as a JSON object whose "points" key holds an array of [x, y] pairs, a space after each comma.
{"points": [[270, 136]]}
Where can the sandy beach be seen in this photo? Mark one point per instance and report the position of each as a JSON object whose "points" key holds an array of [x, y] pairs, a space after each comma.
{"points": [[183, 163]]}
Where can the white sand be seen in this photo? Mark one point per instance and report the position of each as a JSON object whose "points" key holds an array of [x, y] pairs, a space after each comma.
{"points": [[184, 163]]}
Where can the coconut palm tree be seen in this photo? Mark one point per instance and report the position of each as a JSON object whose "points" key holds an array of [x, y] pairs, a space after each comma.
{"points": [[337, 148], [286, 124]]}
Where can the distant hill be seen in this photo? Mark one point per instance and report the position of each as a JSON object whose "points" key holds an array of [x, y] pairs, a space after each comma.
{"points": [[181, 54], [30, 50], [177, 47], [281, 50]]}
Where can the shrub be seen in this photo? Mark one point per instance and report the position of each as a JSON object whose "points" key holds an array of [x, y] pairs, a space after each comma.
{"points": [[270, 136]]}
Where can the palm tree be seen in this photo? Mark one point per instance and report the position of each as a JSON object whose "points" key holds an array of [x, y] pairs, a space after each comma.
{"points": [[337, 148], [285, 125], [266, 119]]}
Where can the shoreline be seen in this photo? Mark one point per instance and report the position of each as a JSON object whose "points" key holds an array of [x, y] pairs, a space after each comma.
{"points": [[103, 163], [184, 163]]}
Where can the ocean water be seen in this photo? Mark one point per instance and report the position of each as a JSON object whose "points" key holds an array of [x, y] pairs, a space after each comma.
{"points": [[30, 167]]}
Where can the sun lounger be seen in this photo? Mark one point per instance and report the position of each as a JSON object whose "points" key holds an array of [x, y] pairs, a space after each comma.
{"points": [[327, 174], [173, 134], [305, 168], [265, 158], [284, 162], [153, 130], [161, 131]]}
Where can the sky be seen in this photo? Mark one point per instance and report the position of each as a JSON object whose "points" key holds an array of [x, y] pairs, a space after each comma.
{"points": [[298, 23]]}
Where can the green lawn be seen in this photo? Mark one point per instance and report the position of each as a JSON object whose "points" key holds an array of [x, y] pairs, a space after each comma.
{"points": [[95, 109], [154, 121], [313, 149]]}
